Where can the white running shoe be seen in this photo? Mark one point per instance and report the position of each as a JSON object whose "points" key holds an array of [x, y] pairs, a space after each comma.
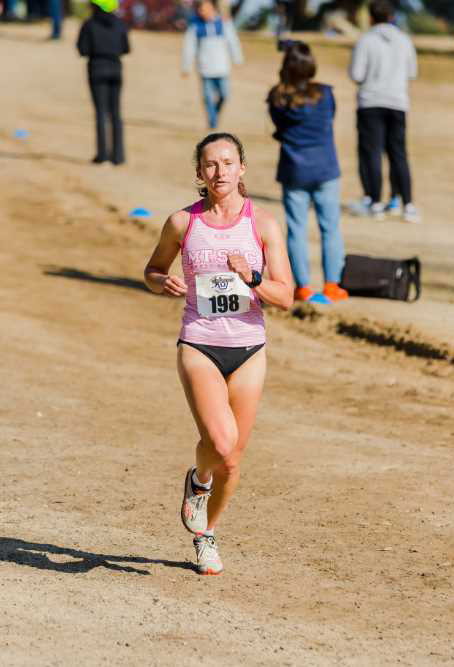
{"points": [[208, 560], [377, 211], [411, 214], [194, 506], [360, 207]]}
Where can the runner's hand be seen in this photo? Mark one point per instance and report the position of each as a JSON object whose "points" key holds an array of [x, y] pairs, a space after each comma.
{"points": [[238, 263], [174, 286]]}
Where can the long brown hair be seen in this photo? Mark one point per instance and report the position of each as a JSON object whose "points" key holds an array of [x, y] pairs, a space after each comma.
{"points": [[209, 139], [295, 88]]}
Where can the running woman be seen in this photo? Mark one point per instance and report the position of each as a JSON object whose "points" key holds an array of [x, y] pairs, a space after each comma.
{"points": [[225, 243]]}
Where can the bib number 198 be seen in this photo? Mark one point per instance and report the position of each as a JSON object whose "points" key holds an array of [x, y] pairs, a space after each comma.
{"points": [[222, 295], [223, 303]]}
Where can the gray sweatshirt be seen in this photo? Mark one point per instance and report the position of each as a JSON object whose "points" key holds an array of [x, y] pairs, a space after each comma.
{"points": [[214, 44], [383, 61]]}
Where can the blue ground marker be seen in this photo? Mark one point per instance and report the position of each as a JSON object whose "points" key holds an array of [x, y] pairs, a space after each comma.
{"points": [[140, 212], [320, 298], [21, 134]]}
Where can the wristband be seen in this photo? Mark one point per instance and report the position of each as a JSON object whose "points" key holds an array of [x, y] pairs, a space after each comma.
{"points": [[256, 279]]}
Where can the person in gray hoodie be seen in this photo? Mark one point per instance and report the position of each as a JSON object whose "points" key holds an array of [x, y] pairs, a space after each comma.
{"points": [[383, 61], [214, 43]]}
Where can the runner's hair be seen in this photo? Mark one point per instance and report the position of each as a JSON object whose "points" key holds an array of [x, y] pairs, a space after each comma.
{"points": [[209, 139]]}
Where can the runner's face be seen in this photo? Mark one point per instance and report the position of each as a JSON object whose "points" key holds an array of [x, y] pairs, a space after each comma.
{"points": [[221, 168]]}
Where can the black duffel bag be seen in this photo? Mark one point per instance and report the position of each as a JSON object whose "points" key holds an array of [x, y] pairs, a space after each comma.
{"points": [[382, 278]]}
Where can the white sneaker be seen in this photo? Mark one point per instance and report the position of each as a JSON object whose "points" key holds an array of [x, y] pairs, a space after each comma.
{"points": [[377, 211], [411, 214], [194, 506], [360, 207], [208, 560]]}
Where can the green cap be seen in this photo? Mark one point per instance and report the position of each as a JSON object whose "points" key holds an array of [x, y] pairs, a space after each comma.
{"points": [[106, 5]]}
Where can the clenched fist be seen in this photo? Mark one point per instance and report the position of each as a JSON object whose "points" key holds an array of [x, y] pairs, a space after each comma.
{"points": [[239, 264], [174, 286]]}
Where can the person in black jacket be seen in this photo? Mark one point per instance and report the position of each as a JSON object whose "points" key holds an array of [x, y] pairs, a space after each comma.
{"points": [[103, 38]]}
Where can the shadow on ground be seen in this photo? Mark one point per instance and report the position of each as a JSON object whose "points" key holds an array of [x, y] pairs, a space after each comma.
{"points": [[399, 340], [76, 274], [35, 554]]}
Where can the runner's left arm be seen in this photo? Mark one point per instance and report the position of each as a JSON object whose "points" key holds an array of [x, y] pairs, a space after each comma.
{"points": [[277, 288]]}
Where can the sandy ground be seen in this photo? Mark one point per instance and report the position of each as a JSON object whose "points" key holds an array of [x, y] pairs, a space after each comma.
{"points": [[338, 546]]}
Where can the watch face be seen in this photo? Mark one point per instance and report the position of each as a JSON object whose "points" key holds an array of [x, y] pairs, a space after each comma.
{"points": [[256, 279]]}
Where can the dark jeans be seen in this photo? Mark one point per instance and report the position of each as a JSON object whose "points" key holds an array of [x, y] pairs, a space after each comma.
{"points": [[106, 98], [37, 9], [56, 15], [383, 130]]}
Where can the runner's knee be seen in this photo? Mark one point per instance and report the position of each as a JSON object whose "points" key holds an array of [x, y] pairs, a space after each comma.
{"points": [[228, 467], [223, 440]]}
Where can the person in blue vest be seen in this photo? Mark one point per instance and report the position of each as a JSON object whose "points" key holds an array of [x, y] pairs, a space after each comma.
{"points": [[213, 42], [308, 170]]}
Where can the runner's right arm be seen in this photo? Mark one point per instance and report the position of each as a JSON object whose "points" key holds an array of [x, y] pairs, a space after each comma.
{"points": [[157, 278]]}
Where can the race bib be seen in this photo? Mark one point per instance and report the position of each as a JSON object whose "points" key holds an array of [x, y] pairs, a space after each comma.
{"points": [[221, 294]]}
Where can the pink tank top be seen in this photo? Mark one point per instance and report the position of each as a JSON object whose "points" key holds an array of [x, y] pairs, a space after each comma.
{"points": [[204, 249]]}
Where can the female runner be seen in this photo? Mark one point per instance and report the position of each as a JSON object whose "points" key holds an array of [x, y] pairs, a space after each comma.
{"points": [[225, 243]]}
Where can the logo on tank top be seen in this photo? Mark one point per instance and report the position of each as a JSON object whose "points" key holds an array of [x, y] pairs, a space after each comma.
{"points": [[207, 257]]}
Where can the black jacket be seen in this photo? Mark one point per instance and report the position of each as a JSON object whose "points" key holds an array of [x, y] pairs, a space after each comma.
{"points": [[103, 38]]}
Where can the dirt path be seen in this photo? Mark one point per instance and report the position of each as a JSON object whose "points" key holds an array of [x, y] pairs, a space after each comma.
{"points": [[338, 546]]}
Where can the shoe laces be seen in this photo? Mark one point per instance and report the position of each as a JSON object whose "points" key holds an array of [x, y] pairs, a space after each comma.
{"points": [[199, 500], [206, 546]]}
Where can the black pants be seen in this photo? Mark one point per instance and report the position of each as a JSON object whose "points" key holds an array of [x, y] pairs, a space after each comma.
{"points": [[106, 97], [383, 130]]}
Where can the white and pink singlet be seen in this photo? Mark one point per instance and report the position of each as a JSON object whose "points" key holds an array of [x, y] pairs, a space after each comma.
{"points": [[220, 308]]}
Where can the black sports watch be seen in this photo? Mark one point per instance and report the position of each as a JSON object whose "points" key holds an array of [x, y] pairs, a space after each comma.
{"points": [[256, 279]]}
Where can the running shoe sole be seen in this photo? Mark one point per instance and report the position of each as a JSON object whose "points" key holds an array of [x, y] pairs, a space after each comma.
{"points": [[211, 573]]}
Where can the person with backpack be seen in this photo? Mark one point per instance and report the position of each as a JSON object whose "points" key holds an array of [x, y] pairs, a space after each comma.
{"points": [[308, 170], [103, 38]]}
